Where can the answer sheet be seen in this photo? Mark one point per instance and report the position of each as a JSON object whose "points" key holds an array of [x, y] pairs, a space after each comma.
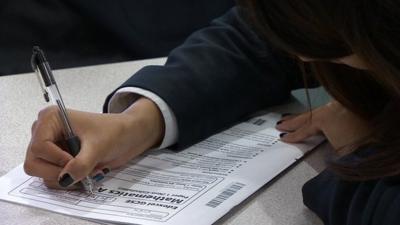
{"points": [[196, 186]]}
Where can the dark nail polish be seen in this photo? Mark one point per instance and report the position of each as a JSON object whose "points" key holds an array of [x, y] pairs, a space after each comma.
{"points": [[279, 122], [66, 180], [98, 177], [286, 114], [106, 170], [281, 135]]}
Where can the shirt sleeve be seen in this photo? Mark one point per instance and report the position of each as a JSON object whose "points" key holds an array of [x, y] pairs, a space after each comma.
{"points": [[126, 96]]}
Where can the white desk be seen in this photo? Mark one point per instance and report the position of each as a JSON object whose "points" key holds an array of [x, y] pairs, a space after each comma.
{"points": [[85, 88]]}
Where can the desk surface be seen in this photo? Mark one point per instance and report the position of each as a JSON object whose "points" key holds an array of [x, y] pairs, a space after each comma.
{"points": [[85, 88]]}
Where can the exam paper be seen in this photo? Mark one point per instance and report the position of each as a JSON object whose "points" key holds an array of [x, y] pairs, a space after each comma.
{"points": [[196, 186]]}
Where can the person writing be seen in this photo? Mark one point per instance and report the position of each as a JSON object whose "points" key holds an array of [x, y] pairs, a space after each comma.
{"points": [[249, 59]]}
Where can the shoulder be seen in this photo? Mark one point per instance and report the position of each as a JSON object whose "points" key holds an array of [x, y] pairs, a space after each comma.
{"points": [[337, 201]]}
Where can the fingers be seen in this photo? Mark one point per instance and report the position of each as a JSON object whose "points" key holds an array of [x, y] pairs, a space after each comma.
{"points": [[99, 174], [33, 127], [99, 134], [48, 125], [40, 168], [45, 160], [49, 152], [297, 128], [300, 134], [54, 184], [85, 164], [287, 116], [293, 122], [46, 131], [78, 168]]}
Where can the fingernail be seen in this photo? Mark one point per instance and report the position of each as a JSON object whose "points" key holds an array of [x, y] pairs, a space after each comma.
{"points": [[279, 122], [281, 135], [98, 177], [66, 180], [286, 114], [106, 170]]}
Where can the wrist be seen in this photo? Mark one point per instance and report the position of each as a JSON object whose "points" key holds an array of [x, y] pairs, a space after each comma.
{"points": [[145, 119]]}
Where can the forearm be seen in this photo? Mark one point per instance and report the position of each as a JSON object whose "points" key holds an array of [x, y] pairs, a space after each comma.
{"points": [[218, 76]]}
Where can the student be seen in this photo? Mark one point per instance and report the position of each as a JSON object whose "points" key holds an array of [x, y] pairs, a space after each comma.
{"points": [[224, 72]]}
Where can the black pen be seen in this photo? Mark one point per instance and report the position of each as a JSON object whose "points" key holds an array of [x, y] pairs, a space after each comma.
{"points": [[46, 79]]}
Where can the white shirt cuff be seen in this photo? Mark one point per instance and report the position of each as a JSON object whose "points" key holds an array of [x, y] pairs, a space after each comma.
{"points": [[126, 96]]}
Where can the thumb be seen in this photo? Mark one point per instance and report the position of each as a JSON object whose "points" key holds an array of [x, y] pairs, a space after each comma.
{"points": [[77, 168]]}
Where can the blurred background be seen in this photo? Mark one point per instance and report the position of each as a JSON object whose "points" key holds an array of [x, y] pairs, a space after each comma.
{"points": [[88, 32]]}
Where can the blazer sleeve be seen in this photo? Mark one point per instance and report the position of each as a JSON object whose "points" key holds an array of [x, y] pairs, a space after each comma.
{"points": [[217, 76]]}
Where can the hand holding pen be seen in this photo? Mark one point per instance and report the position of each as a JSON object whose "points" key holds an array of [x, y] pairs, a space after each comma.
{"points": [[41, 66], [106, 141]]}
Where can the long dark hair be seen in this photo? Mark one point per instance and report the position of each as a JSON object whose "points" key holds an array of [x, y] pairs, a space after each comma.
{"points": [[330, 29]]}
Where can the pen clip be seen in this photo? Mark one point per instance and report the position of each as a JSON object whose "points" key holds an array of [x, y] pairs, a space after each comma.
{"points": [[39, 78]]}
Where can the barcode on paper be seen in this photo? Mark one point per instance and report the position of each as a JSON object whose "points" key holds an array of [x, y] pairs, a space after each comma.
{"points": [[225, 194]]}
